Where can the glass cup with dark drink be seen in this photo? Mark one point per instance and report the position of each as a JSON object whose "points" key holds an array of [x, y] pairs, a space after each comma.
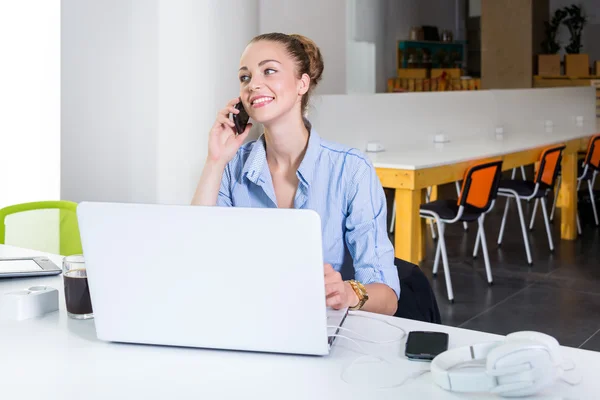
{"points": [[77, 291]]}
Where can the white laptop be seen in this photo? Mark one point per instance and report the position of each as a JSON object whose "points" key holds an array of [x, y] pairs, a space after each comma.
{"points": [[211, 277]]}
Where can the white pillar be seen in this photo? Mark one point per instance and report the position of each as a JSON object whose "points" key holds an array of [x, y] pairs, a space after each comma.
{"points": [[142, 81]]}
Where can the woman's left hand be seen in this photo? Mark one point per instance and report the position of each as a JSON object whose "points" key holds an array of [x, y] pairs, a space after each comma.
{"points": [[339, 293]]}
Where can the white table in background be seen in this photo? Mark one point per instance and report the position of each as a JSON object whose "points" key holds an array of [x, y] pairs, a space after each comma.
{"points": [[411, 168], [55, 357]]}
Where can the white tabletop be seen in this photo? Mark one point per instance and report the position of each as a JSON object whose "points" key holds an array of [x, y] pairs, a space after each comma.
{"points": [[420, 155], [55, 357]]}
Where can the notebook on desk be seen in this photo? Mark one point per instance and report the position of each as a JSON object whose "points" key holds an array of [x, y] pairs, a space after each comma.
{"points": [[210, 277]]}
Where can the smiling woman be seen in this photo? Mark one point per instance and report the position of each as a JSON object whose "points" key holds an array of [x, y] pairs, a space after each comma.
{"points": [[290, 166]]}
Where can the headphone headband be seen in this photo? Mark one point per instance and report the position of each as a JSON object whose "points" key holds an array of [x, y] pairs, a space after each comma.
{"points": [[522, 364]]}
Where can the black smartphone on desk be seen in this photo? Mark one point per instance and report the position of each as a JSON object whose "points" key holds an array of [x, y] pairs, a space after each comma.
{"points": [[424, 346], [240, 119]]}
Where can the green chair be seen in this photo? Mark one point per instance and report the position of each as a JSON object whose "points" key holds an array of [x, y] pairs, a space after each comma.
{"points": [[65, 218]]}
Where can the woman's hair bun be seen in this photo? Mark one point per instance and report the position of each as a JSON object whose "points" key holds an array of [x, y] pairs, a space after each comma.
{"points": [[315, 58]]}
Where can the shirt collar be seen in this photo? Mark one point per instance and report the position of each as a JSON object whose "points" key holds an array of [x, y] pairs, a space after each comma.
{"points": [[306, 170], [257, 160]]}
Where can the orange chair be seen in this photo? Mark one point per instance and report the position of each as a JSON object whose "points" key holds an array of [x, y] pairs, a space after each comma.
{"points": [[479, 189], [591, 166], [539, 188]]}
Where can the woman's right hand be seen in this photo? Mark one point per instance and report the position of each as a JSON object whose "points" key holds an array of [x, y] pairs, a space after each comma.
{"points": [[223, 141]]}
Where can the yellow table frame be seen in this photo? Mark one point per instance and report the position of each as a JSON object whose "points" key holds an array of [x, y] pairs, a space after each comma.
{"points": [[410, 186]]}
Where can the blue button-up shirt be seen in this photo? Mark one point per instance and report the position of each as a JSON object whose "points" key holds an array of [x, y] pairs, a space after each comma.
{"points": [[341, 185]]}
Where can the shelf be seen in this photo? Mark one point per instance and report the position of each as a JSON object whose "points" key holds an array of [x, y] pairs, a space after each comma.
{"points": [[437, 54]]}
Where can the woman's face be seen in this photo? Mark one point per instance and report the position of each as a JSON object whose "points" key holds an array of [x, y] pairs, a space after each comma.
{"points": [[269, 87]]}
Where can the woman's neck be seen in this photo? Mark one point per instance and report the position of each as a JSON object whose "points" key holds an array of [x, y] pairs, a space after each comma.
{"points": [[286, 144]]}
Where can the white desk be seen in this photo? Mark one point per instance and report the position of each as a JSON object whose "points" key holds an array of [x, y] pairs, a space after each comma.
{"points": [[419, 156], [55, 357]]}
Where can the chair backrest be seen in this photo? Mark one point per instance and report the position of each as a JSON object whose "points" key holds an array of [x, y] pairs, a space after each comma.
{"points": [[69, 241], [418, 300], [480, 185], [592, 157], [549, 165]]}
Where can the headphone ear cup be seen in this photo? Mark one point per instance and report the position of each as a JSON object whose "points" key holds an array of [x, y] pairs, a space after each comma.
{"points": [[549, 341], [517, 362]]}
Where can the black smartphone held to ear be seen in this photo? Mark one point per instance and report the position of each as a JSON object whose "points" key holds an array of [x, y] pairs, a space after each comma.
{"points": [[240, 119], [424, 346]]}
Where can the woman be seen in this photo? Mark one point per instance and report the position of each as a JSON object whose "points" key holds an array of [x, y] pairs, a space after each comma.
{"points": [[291, 166]]}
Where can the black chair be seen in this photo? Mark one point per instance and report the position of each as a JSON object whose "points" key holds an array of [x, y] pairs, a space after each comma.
{"points": [[417, 300], [538, 189], [476, 199]]}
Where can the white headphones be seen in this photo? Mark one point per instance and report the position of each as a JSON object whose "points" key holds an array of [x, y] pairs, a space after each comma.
{"points": [[525, 363]]}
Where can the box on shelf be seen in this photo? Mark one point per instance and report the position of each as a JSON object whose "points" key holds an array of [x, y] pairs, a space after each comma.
{"points": [[549, 64], [597, 68], [416, 73], [401, 85], [452, 73], [577, 65]]}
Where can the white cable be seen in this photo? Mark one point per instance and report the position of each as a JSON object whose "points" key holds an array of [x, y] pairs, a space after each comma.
{"points": [[360, 315], [415, 374], [367, 356], [366, 339]]}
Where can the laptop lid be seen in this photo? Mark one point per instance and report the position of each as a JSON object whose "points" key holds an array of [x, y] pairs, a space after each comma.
{"points": [[212, 277]]}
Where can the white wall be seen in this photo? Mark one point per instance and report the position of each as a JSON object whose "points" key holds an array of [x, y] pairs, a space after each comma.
{"points": [[108, 80], [350, 34], [142, 82], [466, 117], [30, 101], [366, 51], [324, 21]]}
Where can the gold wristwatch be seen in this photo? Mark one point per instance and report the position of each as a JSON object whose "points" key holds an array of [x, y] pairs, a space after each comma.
{"points": [[361, 293]]}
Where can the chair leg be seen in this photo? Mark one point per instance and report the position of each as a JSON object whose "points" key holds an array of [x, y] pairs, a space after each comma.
{"points": [[442, 246], [555, 197], [433, 235], [393, 223], [577, 215], [593, 200], [465, 225], [524, 229], [501, 234], [476, 249], [436, 261], [486, 258], [514, 174], [427, 199], [523, 175], [547, 222], [535, 205]]}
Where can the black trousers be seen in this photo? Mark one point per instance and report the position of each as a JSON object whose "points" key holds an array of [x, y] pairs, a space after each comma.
{"points": [[417, 300]]}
